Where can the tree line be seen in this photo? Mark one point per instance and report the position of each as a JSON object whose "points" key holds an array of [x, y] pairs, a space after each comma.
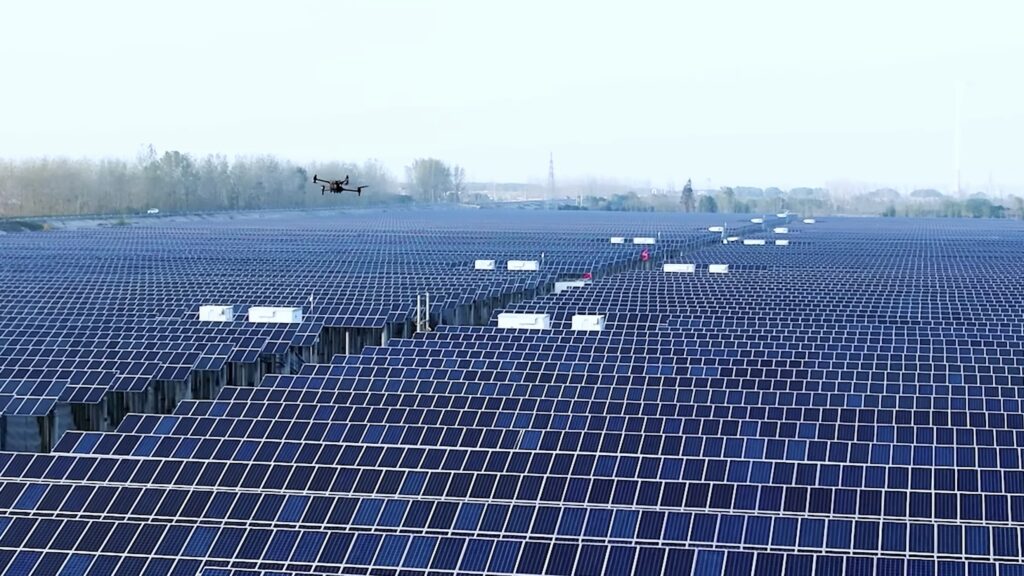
{"points": [[933, 203], [174, 181], [725, 200], [809, 202]]}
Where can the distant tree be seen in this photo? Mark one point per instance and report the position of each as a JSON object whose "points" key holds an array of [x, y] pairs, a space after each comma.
{"points": [[182, 170], [214, 182], [458, 182], [810, 206], [114, 182], [926, 194], [885, 195], [771, 199], [803, 192], [977, 207], [952, 209], [726, 198], [8, 200], [429, 178], [687, 199], [373, 174], [748, 192], [707, 204], [889, 212], [1018, 206], [171, 181]]}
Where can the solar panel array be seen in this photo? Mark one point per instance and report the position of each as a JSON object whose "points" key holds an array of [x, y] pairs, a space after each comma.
{"points": [[95, 324], [845, 404]]}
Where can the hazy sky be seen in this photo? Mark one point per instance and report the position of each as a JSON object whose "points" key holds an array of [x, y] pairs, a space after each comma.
{"points": [[779, 92]]}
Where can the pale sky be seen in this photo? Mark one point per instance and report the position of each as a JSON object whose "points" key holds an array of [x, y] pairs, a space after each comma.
{"points": [[780, 92]]}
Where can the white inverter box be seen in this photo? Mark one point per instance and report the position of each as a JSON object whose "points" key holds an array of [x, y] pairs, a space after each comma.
{"points": [[617, 240], [484, 265], [287, 315], [587, 322], [753, 241], [527, 321], [523, 265], [216, 313], [718, 268], [674, 267], [782, 242], [563, 285], [643, 240]]}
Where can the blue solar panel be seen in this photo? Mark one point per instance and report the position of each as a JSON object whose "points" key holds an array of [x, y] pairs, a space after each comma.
{"points": [[845, 404]]}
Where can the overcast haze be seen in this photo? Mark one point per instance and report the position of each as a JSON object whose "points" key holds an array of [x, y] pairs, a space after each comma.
{"points": [[780, 93]]}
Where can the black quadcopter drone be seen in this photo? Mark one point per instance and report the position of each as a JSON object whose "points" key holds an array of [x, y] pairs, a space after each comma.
{"points": [[336, 186]]}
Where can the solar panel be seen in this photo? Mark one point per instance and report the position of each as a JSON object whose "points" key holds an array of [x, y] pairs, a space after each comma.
{"points": [[846, 404]]}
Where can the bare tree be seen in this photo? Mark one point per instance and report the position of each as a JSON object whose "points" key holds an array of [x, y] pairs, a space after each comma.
{"points": [[687, 199], [707, 204], [430, 178], [458, 182], [726, 199]]}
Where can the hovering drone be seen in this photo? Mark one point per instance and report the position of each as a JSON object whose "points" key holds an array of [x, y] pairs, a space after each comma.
{"points": [[337, 186]]}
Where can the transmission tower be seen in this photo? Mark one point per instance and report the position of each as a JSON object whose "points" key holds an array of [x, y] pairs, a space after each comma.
{"points": [[958, 136], [551, 175]]}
